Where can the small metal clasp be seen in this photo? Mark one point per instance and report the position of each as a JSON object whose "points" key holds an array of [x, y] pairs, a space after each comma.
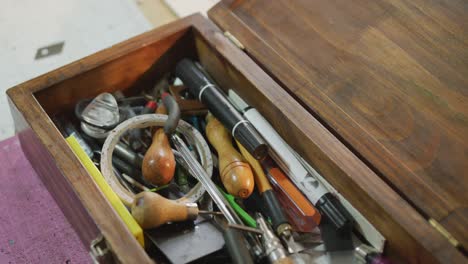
{"points": [[100, 252]]}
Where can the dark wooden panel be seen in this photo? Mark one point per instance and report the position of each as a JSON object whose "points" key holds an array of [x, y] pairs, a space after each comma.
{"points": [[389, 78], [58, 186], [409, 235], [117, 74]]}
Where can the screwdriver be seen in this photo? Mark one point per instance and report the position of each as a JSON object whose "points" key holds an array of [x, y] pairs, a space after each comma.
{"points": [[200, 174], [151, 210], [292, 165], [235, 173], [301, 213], [279, 220]]}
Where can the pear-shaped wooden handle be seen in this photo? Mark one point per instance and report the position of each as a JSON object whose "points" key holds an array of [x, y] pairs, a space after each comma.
{"points": [[235, 172], [151, 210], [159, 162]]}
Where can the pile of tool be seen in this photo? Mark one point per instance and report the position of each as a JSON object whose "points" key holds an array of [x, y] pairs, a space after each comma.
{"points": [[197, 168]]}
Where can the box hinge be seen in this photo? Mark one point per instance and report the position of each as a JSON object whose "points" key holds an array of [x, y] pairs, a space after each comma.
{"points": [[234, 40], [100, 251], [444, 232]]}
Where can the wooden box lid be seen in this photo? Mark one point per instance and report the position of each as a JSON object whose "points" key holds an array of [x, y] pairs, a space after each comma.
{"points": [[388, 78]]}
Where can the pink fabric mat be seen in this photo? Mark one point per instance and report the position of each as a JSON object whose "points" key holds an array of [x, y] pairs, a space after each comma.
{"points": [[32, 227]]}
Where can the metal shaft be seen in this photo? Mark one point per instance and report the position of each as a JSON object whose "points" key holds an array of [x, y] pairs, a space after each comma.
{"points": [[197, 171], [273, 248]]}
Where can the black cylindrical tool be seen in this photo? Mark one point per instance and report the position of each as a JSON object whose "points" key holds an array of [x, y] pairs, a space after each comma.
{"points": [[329, 205], [274, 209], [207, 91]]}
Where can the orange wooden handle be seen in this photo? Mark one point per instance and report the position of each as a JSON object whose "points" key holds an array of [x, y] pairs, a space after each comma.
{"points": [[159, 162], [236, 174], [151, 210]]}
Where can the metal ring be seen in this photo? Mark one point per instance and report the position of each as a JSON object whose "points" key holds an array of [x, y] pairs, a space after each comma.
{"points": [[236, 125], [203, 89], [148, 120]]}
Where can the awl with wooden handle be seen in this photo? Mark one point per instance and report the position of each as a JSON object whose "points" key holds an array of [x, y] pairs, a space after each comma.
{"points": [[151, 210], [234, 171], [278, 218], [159, 162]]}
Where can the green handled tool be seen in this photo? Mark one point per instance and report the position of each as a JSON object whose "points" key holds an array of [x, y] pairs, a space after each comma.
{"points": [[248, 220]]}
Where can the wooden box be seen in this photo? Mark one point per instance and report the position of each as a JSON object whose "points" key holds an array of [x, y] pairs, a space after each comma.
{"points": [[372, 93]]}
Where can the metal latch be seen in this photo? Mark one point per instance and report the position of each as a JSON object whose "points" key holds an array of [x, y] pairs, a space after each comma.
{"points": [[100, 252], [234, 40]]}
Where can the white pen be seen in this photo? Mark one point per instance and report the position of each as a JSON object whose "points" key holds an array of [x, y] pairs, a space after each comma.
{"points": [[301, 174]]}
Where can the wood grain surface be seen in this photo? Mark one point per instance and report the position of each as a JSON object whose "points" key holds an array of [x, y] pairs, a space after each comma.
{"points": [[137, 63], [58, 186], [409, 236], [388, 78]]}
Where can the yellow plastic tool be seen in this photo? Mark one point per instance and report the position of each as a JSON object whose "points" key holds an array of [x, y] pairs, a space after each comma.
{"points": [[128, 219]]}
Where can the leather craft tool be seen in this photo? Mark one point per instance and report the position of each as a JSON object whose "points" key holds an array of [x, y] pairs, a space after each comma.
{"points": [[151, 210], [153, 120], [198, 172], [234, 171], [248, 220], [113, 199], [99, 116], [207, 92], [301, 213], [279, 150], [274, 250], [281, 224], [159, 161]]}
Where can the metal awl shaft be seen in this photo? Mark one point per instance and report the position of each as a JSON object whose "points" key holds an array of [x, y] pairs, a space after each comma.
{"points": [[197, 171]]}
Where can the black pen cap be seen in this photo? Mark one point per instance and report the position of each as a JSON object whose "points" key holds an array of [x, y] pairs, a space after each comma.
{"points": [[339, 217]]}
